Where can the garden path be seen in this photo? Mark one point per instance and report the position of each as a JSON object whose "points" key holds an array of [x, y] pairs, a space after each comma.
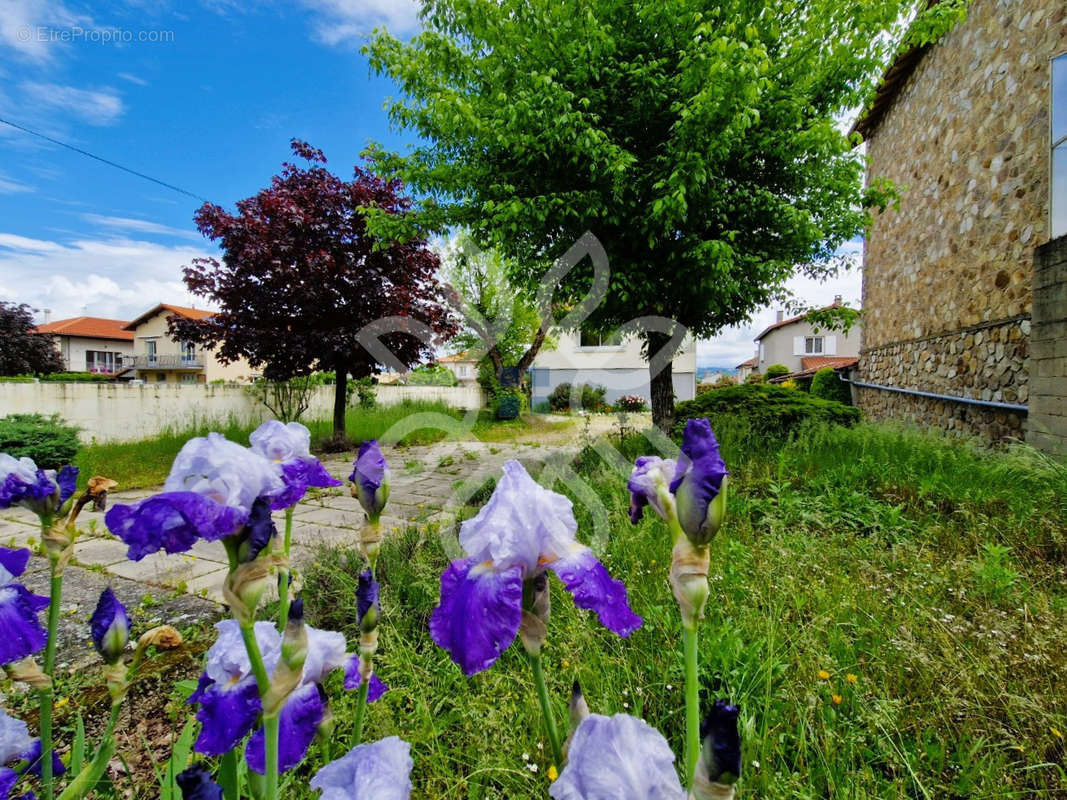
{"points": [[429, 486]]}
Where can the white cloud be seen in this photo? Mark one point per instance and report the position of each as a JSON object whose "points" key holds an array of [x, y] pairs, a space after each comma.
{"points": [[139, 226], [116, 277], [97, 107], [12, 186], [342, 20], [126, 76], [26, 26]]}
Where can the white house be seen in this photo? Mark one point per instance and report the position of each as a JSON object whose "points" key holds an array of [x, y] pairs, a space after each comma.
{"points": [[463, 365], [616, 364], [91, 344], [798, 345]]}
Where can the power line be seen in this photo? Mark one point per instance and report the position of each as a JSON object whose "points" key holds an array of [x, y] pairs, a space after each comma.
{"points": [[164, 184]]}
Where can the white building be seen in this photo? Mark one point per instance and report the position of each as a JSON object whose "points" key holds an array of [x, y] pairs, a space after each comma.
{"points": [[91, 344], [616, 364]]}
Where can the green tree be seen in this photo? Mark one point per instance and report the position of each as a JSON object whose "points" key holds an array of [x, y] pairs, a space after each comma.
{"points": [[700, 142]]}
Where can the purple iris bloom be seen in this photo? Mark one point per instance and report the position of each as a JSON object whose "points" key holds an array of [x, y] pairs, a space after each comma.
{"points": [[8, 779], [229, 697], [42, 491], [196, 784], [370, 476], [377, 771], [19, 607], [615, 757], [698, 481], [15, 740], [521, 531], [32, 756], [354, 679], [722, 743], [649, 476], [290, 446], [209, 494], [110, 626]]}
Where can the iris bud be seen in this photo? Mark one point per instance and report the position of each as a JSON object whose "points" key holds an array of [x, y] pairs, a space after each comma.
{"points": [[719, 767], [110, 627]]}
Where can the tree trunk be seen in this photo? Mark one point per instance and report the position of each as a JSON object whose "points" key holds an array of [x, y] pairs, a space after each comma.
{"points": [[661, 382], [340, 400]]}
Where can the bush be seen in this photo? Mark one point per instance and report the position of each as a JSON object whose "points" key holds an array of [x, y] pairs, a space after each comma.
{"points": [[367, 396], [508, 403], [592, 397], [49, 441], [754, 377], [432, 375], [76, 377], [630, 402], [17, 379], [827, 385], [776, 371], [771, 411]]}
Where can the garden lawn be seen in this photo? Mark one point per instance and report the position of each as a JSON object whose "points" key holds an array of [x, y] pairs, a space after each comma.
{"points": [[888, 608]]}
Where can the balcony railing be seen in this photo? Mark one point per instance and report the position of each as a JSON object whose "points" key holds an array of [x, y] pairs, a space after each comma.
{"points": [[166, 361]]}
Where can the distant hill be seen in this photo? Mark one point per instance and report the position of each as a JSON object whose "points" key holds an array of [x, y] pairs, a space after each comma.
{"points": [[709, 372]]}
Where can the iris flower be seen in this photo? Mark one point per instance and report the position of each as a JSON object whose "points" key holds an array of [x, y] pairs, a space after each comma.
{"points": [[22, 632], [370, 479], [42, 491], [290, 446], [196, 784], [229, 696], [377, 771], [110, 627], [211, 491], [697, 485], [618, 757], [14, 740], [523, 530]]}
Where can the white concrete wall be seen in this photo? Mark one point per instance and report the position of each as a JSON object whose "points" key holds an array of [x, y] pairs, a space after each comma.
{"points": [[120, 412]]}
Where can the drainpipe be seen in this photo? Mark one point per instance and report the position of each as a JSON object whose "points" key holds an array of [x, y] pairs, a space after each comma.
{"points": [[970, 401]]}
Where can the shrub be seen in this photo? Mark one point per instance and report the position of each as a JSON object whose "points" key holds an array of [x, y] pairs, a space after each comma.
{"points": [[76, 377], [49, 441], [754, 377], [631, 402], [508, 403], [771, 411], [828, 385], [367, 396], [776, 371], [16, 379], [432, 375]]}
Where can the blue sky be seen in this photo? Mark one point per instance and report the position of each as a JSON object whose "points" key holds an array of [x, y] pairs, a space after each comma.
{"points": [[204, 95]]}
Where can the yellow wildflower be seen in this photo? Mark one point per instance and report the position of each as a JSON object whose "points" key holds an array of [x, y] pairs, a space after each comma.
{"points": [[824, 675], [850, 678], [61, 702], [552, 773], [1056, 733], [565, 663], [836, 699]]}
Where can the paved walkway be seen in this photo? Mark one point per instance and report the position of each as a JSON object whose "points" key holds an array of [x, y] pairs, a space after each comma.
{"points": [[429, 485]]}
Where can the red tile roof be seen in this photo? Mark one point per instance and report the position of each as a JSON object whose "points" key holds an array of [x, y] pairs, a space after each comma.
{"points": [[818, 362], [790, 321], [452, 359], [89, 327], [752, 362], [181, 311]]}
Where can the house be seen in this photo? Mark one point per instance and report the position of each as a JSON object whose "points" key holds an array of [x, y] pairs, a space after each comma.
{"points": [[463, 365], [157, 358], [613, 362], [91, 344], [791, 341], [964, 279], [746, 368]]}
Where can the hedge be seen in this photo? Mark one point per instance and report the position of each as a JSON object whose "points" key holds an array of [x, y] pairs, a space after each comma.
{"points": [[49, 441]]}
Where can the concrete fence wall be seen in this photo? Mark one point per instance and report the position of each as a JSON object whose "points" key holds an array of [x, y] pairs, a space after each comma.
{"points": [[1047, 425], [114, 412]]}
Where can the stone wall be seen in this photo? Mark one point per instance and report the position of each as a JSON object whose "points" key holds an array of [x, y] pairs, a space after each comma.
{"points": [[1047, 425], [966, 143], [988, 361]]}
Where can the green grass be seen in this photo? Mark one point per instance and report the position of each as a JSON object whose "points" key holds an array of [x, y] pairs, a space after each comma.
{"points": [[146, 463], [929, 569]]}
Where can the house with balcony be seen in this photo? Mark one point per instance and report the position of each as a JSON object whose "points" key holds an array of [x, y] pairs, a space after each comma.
{"points": [[614, 362], [159, 358], [802, 347], [91, 344]]}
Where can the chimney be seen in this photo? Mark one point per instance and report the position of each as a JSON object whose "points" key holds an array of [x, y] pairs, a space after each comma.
{"points": [[837, 299], [779, 316], [47, 315]]}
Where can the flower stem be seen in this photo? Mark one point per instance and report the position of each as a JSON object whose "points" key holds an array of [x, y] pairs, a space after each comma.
{"points": [[546, 709], [361, 707], [271, 723], [284, 573], [48, 695], [692, 703]]}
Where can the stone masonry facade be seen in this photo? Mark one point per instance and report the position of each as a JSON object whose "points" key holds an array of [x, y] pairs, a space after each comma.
{"points": [[948, 272], [1047, 425]]}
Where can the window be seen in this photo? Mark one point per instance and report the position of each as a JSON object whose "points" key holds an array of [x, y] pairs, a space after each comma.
{"points": [[188, 353], [161, 377], [188, 377], [813, 344], [1058, 161], [762, 353], [464, 371], [150, 349], [100, 361], [588, 339]]}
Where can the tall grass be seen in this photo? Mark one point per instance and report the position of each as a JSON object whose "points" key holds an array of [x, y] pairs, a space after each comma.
{"points": [[145, 463], [864, 553]]}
